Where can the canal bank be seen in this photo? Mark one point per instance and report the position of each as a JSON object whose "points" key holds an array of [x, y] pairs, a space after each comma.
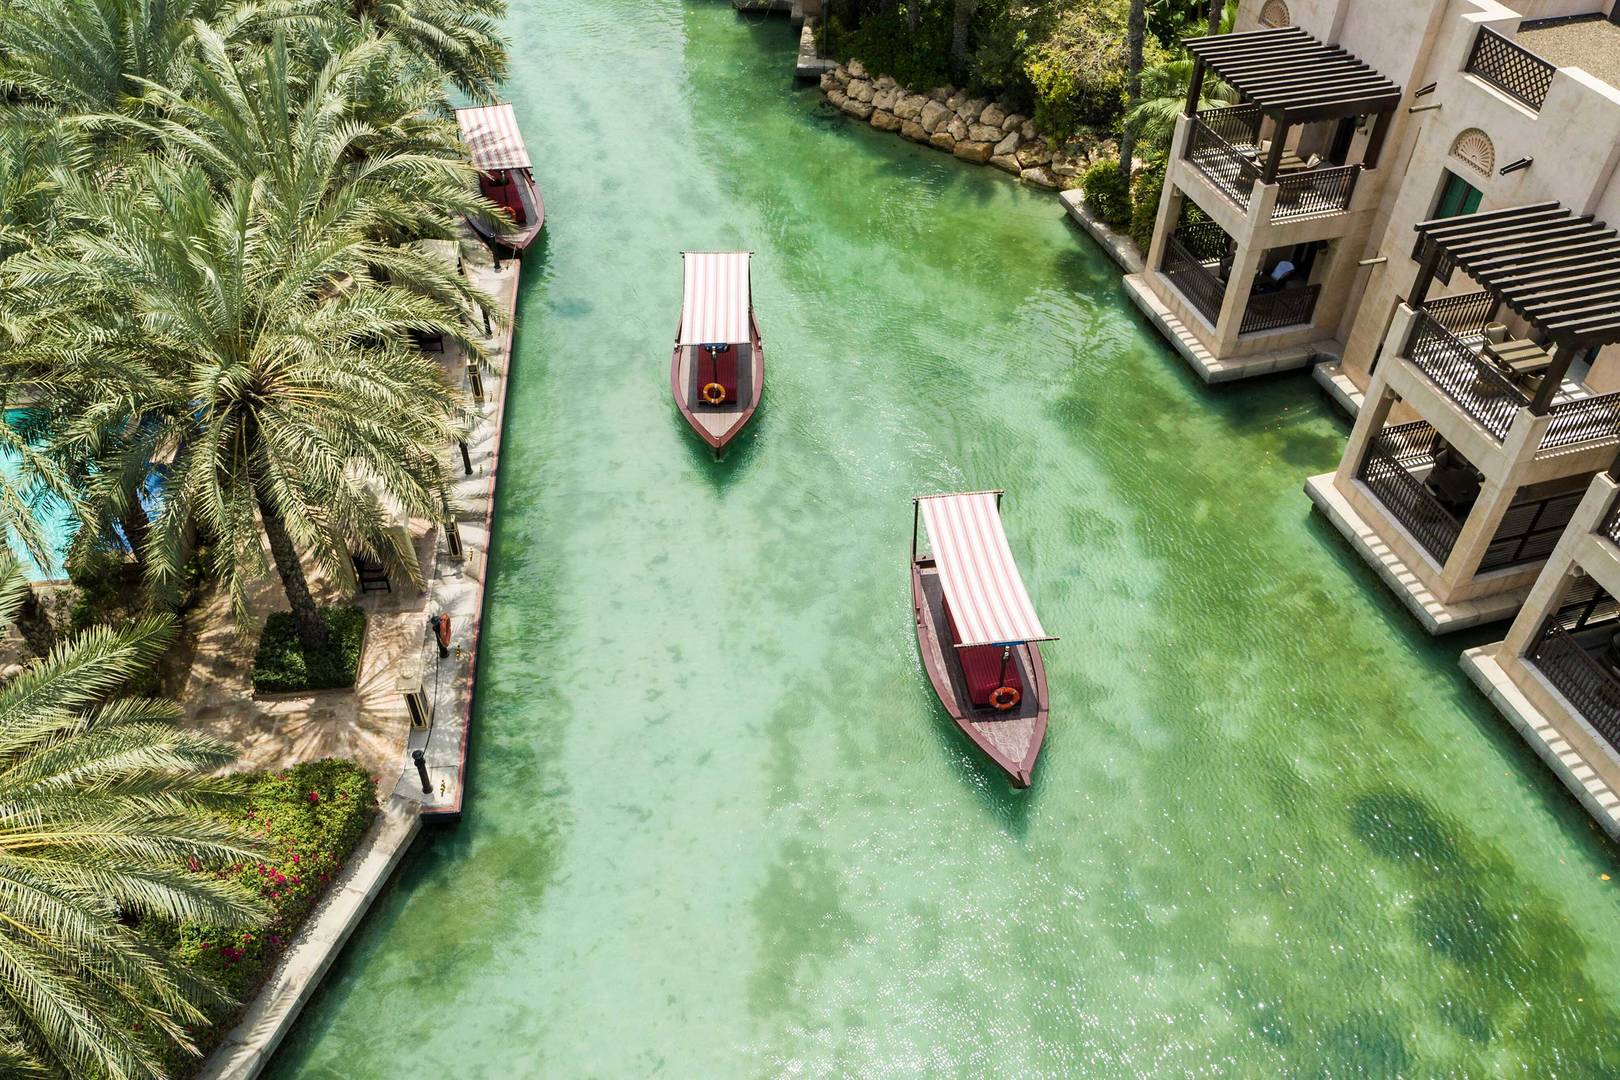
{"points": [[718, 825]]}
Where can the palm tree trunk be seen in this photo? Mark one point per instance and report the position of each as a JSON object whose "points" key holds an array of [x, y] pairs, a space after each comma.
{"points": [[34, 625], [961, 20], [137, 527], [913, 15], [1216, 9], [311, 628], [1135, 32]]}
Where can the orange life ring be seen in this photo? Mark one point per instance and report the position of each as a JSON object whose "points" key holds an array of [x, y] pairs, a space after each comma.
{"points": [[714, 393], [1003, 698]]}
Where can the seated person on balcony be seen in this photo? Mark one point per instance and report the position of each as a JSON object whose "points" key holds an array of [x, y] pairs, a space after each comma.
{"points": [[1276, 279], [1454, 482]]}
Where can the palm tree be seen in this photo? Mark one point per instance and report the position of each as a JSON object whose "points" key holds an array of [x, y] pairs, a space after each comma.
{"points": [[101, 801], [1163, 98], [459, 40], [1136, 30], [961, 22]]}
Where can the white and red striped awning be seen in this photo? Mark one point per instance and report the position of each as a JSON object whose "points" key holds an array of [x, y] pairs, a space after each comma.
{"points": [[986, 595], [491, 134], [716, 305]]}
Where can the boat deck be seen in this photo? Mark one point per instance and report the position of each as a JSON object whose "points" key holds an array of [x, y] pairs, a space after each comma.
{"points": [[1010, 732], [717, 420]]}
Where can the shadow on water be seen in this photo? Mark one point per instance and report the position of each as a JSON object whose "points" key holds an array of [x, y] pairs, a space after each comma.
{"points": [[719, 471]]}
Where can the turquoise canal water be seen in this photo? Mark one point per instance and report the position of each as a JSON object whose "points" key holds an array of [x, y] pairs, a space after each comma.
{"points": [[718, 825]]}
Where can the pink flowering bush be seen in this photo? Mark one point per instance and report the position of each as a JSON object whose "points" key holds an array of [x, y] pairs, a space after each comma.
{"points": [[311, 816]]}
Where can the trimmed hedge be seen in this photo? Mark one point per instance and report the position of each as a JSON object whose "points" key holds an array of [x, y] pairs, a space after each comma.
{"points": [[280, 665], [1107, 193], [311, 816]]}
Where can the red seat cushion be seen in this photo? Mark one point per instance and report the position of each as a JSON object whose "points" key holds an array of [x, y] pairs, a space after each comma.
{"points": [[720, 367], [503, 193], [982, 665]]}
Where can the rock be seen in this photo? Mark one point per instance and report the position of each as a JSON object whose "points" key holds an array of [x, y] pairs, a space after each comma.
{"points": [[909, 106], [1008, 144], [957, 128], [827, 81], [860, 110], [840, 76], [836, 98], [886, 82], [1033, 153], [860, 90], [970, 110], [885, 121], [974, 151], [1015, 122], [1027, 129], [933, 116], [1040, 177], [883, 99], [984, 133], [914, 131], [994, 115], [941, 140], [955, 101], [857, 70], [940, 94], [1006, 162], [1064, 166]]}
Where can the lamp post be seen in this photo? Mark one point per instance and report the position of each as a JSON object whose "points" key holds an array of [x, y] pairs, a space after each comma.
{"points": [[421, 771]]}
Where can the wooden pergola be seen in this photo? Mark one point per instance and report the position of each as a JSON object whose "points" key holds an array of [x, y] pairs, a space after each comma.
{"points": [[1294, 79], [1558, 271]]}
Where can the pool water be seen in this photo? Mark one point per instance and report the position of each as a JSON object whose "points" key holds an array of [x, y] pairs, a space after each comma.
{"points": [[718, 824]]}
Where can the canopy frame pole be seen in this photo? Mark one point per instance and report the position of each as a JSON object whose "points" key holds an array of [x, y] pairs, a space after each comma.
{"points": [[916, 514]]}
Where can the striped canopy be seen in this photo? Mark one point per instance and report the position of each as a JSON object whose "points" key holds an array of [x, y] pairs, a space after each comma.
{"points": [[491, 134], [986, 595], [715, 309]]}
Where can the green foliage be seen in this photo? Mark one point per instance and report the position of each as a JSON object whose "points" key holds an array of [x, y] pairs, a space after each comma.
{"points": [[1107, 193], [281, 666], [884, 43], [1146, 188]]}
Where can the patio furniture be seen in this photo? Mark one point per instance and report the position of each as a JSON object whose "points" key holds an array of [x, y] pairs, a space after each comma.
{"points": [[1519, 357]]}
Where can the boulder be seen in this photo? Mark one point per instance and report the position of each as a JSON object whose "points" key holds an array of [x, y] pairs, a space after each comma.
{"points": [[1015, 122], [860, 110], [913, 131], [883, 98], [910, 106], [1007, 163], [941, 94], [984, 133], [957, 128], [1033, 153], [1040, 177], [969, 110], [836, 98], [1062, 165], [860, 90], [827, 81], [974, 151], [941, 140], [857, 70], [885, 121], [886, 82], [934, 116], [840, 75], [1027, 129], [1008, 144], [993, 115]]}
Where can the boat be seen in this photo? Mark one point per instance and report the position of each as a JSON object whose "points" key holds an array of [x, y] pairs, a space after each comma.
{"points": [[977, 630], [718, 371], [505, 175]]}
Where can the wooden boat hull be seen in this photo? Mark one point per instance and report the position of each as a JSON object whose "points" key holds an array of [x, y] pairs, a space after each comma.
{"points": [[1011, 741], [715, 428], [534, 209]]}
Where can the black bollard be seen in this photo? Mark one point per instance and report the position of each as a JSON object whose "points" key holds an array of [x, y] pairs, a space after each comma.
{"points": [[421, 771], [466, 458]]}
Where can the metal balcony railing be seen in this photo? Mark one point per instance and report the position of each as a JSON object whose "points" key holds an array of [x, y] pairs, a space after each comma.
{"points": [[1280, 309], [1581, 420], [1587, 682], [1475, 384], [1315, 192], [1202, 287], [1221, 143], [1403, 495], [1511, 68]]}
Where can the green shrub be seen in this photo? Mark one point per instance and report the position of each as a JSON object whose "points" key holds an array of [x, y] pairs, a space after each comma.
{"points": [[1107, 193], [280, 665], [1146, 189], [311, 816]]}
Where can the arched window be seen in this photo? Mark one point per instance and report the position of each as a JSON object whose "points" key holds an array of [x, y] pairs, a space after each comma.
{"points": [[1275, 14], [1474, 148]]}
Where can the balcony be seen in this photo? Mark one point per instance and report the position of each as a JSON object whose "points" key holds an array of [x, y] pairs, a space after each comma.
{"points": [[1226, 147], [1581, 664], [1391, 471], [1610, 525], [1197, 260], [1511, 68]]}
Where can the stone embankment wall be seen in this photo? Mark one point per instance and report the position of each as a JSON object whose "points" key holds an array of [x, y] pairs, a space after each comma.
{"points": [[973, 129]]}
